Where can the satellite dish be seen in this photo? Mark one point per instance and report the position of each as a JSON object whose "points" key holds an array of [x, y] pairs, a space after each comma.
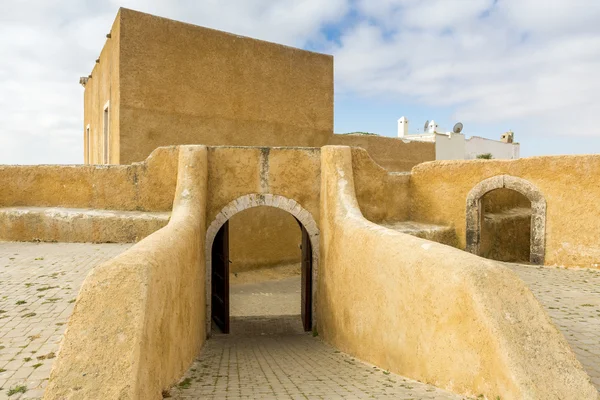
{"points": [[458, 127], [426, 126]]}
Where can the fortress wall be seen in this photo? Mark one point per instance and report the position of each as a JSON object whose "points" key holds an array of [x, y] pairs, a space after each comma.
{"points": [[101, 90], [145, 186], [382, 196], [148, 303], [263, 237], [392, 154], [570, 186], [432, 312], [194, 85]]}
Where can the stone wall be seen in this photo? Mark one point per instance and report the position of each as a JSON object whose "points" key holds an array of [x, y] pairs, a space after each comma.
{"points": [[146, 186], [263, 237], [103, 89], [382, 196], [432, 312], [201, 86], [393, 154], [505, 226], [139, 319], [88, 203], [569, 185]]}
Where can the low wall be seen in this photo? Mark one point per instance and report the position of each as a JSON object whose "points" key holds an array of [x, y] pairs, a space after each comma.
{"points": [[145, 186], [382, 196], [78, 225], [139, 319], [432, 312], [570, 186], [392, 154]]}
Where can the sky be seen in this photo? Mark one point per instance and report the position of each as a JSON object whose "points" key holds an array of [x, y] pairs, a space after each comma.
{"points": [[531, 66]]}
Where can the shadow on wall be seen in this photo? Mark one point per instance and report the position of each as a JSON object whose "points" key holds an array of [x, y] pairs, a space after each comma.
{"points": [[505, 226]]}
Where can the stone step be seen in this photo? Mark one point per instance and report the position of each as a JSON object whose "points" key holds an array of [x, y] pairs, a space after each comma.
{"points": [[436, 233], [56, 224]]}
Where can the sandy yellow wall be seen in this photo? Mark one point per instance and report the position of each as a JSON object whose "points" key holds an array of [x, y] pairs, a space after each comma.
{"points": [[193, 85], [101, 88], [237, 171], [139, 319], [147, 186], [570, 185], [392, 154], [382, 196], [432, 312], [262, 237]]}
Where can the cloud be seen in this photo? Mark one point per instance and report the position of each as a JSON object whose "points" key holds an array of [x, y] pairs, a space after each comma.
{"points": [[486, 61], [46, 45]]}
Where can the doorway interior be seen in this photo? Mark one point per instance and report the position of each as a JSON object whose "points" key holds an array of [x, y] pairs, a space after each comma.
{"points": [[224, 271]]}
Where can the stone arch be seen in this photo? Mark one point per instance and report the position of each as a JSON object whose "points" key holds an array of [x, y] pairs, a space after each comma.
{"points": [[538, 213], [255, 200]]}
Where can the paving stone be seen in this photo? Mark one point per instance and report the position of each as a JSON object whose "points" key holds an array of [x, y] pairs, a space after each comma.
{"points": [[572, 299], [43, 278]]}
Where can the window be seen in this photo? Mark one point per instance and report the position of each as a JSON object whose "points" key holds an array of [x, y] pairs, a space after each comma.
{"points": [[106, 136], [87, 146]]}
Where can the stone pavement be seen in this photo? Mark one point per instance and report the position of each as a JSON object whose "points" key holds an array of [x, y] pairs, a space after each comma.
{"points": [[572, 299], [289, 364], [38, 286], [269, 356]]}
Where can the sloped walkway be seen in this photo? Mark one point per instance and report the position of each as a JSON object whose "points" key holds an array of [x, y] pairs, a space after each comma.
{"points": [[289, 365], [271, 357], [572, 299]]}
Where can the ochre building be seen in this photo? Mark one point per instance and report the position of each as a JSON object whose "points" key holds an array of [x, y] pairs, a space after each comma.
{"points": [[159, 82]]}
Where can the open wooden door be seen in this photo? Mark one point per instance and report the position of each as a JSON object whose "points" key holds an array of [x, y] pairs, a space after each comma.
{"points": [[220, 279], [306, 280]]}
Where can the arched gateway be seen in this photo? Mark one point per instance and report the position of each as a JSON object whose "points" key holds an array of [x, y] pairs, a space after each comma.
{"points": [[538, 213], [217, 292]]}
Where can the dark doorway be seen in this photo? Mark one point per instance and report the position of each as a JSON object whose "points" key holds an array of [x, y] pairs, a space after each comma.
{"points": [[505, 226], [220, 279], [220, 304]]}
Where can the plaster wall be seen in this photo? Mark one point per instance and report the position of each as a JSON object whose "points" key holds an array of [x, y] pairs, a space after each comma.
{"points": [[72, 225], [505, 226], [146, 307], [103, 88], [234, 172], [477, 145], [432, 312], [383, 196], [392, 154], [145, 186], [263, 237], [569, 185], [194, 85], [450, 147]]}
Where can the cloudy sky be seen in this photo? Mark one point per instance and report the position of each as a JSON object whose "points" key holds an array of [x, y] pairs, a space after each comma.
{"points": [[527, 65]]}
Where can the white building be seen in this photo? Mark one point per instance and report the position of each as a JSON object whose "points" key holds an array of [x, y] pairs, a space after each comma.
{"points": [[454, 145]]}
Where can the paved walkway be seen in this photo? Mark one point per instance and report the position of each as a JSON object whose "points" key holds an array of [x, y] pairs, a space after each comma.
{"points": [[289, 364], [572, 299], [269, 356], [38, 285]]}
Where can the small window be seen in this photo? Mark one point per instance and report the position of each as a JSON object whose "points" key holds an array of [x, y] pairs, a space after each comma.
{"points": [[106, 135], [87, 146]]}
